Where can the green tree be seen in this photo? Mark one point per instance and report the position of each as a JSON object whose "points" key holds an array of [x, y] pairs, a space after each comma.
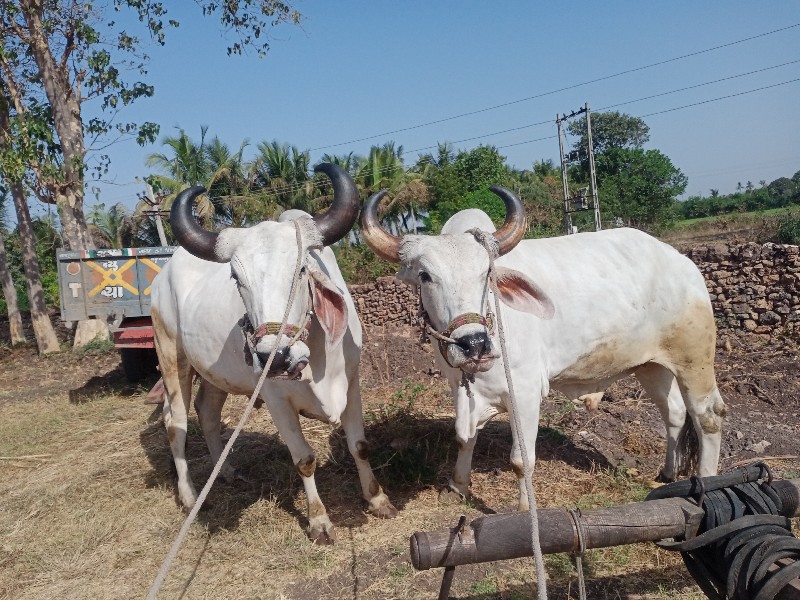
{"points": [[211, 164], [283, 170], [16, 331], [782, 191], [70, 54], [481, 168], [609, 130], [639, 186], [46, 339], [112, 228]]}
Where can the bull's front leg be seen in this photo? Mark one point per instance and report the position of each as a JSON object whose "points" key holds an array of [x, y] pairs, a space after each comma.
{"points": [[460, 481], [353, 425], [466, 436], [320, 528], [528, 413]]}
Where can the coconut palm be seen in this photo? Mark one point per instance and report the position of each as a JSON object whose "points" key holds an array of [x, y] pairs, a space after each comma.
{"points": [[112, 228], [349, 162], [282, 170], [210, 164], [383, 169], [445, 155]]}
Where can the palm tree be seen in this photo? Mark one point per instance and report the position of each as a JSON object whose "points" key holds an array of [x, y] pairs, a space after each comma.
{"points": [[283, 171], [349, 162], [408, 193], [211, 165], [445, 155], [112, 228]]}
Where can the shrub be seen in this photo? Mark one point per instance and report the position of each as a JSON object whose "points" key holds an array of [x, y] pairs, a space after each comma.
{"points": [[789, 230]]}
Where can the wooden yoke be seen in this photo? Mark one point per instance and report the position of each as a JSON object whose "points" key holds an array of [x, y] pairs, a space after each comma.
{"points": [[507, 536]]}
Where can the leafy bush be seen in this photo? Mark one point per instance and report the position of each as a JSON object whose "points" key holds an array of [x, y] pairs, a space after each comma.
{"points": [[359, 264], [789, 230]]}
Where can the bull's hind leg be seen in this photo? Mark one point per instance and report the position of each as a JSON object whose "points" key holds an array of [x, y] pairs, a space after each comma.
{"points": [[208, 403], [660, 384], [177, 375], [706, 409], [320, 528], [353, 425], [690, 348]]}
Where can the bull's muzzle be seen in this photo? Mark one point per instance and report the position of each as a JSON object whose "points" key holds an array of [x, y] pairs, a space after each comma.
{"points": [[285, 362], [475, 345], [473, 351]]}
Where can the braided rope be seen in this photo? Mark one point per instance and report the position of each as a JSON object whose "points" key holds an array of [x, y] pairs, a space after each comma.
{"points": [[173, 551], [488, 241]]}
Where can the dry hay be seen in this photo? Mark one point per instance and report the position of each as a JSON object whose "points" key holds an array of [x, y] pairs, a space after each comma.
{"points": [[95, 518]]}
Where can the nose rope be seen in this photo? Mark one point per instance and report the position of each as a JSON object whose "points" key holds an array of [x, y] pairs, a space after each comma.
{"points": [[444, 339], [489, 243], [176, 545], [253, 335]]}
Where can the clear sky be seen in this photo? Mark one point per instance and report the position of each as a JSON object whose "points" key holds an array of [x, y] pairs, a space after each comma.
{"points": [[380, 71]]}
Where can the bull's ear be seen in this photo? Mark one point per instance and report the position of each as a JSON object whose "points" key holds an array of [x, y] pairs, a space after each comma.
{"points": [[520, 293], [329, 306]]}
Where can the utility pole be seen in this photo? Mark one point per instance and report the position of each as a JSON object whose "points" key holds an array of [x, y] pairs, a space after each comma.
{"points": [[598, 224], [564, 187], [155, 212], [585, 198]]}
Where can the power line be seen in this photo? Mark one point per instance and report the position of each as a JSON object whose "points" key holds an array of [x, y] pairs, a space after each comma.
{"points": [[293, 187], [605, 108], [551, 92], [673, 109], [766, 87]]}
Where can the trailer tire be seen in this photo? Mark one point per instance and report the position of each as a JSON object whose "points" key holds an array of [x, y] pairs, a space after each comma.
{"points": [[138, 363]]}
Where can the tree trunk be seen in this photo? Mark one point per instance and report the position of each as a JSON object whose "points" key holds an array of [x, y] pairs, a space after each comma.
{"points": [[68, 122], [43, 330], [10, 293]]}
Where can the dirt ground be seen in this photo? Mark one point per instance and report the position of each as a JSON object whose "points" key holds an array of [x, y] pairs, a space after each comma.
{"points": [[89, 509]]}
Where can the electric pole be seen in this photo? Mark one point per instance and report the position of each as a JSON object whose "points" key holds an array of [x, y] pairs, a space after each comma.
{"points": [[585, 198]]}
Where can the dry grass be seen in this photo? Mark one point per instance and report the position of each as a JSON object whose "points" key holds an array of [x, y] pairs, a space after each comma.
{"points": [[95, 518]]}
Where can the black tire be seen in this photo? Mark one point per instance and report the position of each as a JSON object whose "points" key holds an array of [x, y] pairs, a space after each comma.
{"points": [[138, 363]]}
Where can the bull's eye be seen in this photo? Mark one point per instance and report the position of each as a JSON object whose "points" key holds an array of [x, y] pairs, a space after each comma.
{"points": [[235, 277], [424, 277]]}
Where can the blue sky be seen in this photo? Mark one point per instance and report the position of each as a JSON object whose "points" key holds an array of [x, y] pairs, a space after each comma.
{"points": [[357, 69]]}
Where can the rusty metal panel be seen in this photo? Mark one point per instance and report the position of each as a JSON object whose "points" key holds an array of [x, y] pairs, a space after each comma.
{"points": [[109, 284]]}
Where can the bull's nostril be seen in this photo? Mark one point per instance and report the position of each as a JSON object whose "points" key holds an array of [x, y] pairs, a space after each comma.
{"points": [[474, 345], [279, 363]]}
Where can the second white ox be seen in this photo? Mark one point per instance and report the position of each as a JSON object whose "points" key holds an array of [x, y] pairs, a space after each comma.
{"points": [[217, 307], [586, 309]]}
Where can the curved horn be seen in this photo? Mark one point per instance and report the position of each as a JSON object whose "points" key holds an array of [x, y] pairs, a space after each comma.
{"points": [[513, 230], [383, 243], [193, 237], [334, 223]]}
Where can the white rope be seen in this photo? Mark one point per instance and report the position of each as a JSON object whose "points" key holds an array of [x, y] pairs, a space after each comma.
{"points": [[488, 242], [173, 551], [575, 513]]}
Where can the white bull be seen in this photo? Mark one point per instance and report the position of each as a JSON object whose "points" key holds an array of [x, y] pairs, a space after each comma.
{"points": [[580, 312], [203, 304]]}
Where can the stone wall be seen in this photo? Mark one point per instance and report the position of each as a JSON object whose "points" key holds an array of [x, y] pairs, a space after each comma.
{"points": [[385, 303], [753, 288]]}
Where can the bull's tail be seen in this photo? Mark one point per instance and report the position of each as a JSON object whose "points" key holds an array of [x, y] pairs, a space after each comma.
{"points": [[688, 450]]}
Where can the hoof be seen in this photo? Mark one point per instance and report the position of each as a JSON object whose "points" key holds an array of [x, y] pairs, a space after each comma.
{"points": [[450, 496], [384, 511], [322, 536], [663, 478]]}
